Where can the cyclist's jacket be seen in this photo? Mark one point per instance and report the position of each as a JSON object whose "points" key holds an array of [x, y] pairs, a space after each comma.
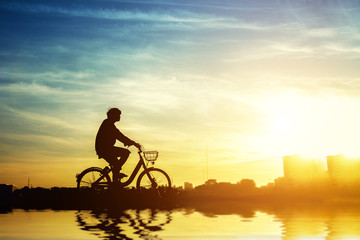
{"points": [[107, 136]]}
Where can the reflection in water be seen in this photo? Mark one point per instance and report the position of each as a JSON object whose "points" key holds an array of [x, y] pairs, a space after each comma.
{"points": [[320, 222], [226, 221], [221, 220], [346, 225], [126, 224]]}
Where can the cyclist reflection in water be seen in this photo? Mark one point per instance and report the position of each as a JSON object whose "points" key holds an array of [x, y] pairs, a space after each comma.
{"points": [[105, 141]]}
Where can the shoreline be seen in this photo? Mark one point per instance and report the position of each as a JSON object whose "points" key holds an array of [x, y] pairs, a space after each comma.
{"points": [[73, 199]]}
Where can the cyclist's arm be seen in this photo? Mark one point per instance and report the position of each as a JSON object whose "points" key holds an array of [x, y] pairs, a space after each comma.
{"points": [[125, 140]]}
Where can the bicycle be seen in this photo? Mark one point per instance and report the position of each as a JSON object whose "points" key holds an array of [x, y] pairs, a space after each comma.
{"points": [[150, 178]]}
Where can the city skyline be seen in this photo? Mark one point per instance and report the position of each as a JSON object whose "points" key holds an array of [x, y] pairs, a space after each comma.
{"points": [[338, 170]]}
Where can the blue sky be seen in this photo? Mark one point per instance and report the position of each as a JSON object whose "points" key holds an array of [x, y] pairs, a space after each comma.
{"points": [[236, 76]]}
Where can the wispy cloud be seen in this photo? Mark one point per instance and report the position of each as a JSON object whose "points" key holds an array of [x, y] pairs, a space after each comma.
{"points": [[340, 50], [42, 119], [115, 14], [291, 49], [322, 32]]}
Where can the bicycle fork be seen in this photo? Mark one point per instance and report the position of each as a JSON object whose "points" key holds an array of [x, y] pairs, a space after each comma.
{"points": [[154, 184]]}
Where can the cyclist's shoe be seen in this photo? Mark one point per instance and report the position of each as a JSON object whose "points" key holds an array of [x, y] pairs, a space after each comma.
{"points": [[122, 175]]}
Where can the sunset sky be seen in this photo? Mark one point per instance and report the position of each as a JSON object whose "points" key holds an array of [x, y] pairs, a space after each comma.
{"points": [[222, 89]]}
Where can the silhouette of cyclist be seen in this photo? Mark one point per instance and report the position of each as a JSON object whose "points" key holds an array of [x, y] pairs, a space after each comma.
{"points": [[105, 141]]}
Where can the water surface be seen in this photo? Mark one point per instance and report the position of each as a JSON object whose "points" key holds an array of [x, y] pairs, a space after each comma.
{"points": [[200, 222]]}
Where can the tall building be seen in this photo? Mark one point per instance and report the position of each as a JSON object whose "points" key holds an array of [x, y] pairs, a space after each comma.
{"points": [[301, 171], [343, 170]]}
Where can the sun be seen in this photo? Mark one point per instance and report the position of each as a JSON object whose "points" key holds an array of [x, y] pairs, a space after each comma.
{"points": [[309, 125], [284, 129], [283, 125]]}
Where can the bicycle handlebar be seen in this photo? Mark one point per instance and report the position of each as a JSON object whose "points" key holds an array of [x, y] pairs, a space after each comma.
{"points": [[139, 147]]}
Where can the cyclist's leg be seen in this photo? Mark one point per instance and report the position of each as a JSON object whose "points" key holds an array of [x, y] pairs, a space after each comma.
{"points": [[115, 164], [112, 158], [122, 153]]}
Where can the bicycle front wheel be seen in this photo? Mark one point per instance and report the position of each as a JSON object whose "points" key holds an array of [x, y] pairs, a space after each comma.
{"points": [[93, 178], [153, 178]]}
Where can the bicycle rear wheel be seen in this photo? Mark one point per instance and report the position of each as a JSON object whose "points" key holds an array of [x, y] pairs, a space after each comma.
{"points": [[159, 179], [93, 178]]}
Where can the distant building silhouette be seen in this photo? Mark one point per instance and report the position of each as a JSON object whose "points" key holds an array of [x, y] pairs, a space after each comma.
{"points": [[301, 171], [5, 194], [343, 170], [188, 186], [6, 188]]}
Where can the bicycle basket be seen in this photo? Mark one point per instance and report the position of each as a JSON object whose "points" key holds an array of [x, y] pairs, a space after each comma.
{"points": [[151, 155]]}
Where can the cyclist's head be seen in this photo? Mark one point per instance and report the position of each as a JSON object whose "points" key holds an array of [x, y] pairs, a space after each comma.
{"points": [[114, 114]]}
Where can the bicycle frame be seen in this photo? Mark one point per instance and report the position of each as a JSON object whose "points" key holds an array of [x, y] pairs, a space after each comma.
{"points": [[140, 164]]}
